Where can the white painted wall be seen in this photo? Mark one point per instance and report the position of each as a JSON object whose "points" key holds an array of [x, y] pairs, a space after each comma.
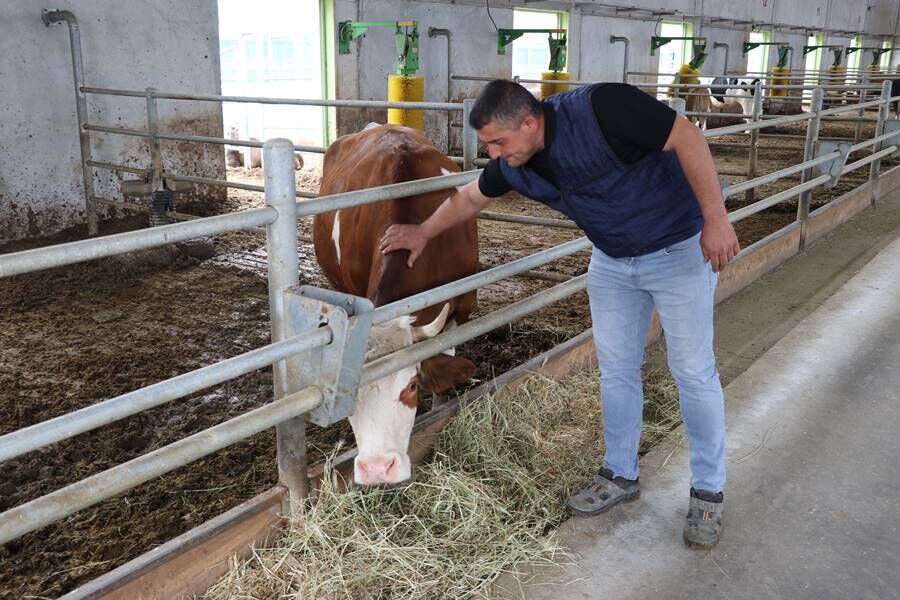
{"points": [[168, 44]]}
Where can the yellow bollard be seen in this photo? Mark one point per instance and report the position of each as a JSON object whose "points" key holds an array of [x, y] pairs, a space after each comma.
{"points": [[837, 75], [548, 89], [406, 88], [687, 75], [785, 80]]}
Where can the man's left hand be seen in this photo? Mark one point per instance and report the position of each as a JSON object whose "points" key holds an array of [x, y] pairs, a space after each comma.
{"points": [[719, 243]]}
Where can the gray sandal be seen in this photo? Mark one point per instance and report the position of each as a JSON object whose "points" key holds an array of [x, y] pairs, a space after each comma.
{"points": [[604, 492]]}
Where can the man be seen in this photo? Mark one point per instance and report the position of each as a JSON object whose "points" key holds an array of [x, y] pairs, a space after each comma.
{"points": [[642, 184]]}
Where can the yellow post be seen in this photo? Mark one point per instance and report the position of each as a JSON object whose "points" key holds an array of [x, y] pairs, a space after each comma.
{"points": [[687, 75], [548, 89], [406, 88], [785, 80]]}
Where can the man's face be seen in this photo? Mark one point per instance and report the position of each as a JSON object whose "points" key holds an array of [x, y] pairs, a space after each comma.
{"points": [[514, 143]]}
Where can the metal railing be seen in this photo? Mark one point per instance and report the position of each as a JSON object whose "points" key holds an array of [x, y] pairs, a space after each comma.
{"points": [[294, 398]]}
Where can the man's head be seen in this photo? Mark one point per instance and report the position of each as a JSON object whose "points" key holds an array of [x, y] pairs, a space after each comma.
{"points": [[509, 121]]}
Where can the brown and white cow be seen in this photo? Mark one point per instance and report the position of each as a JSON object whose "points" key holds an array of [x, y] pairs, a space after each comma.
{"points": [[347, 248]]}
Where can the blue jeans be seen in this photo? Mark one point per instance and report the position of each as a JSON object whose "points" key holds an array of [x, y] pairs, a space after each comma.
{"points": [[622, 294]]}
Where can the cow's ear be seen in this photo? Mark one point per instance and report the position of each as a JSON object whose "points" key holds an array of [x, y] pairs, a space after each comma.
{"points": [[443, 371]]}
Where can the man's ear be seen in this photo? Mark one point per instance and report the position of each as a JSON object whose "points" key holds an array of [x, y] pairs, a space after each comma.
{"points": [[530, 123], [439, 373]]}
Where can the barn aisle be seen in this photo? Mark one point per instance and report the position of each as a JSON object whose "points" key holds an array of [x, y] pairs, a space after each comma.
{"points": [[813, 493]]}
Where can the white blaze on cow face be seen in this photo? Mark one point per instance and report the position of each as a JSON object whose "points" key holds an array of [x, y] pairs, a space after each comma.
{"points": [[336, 234], [386, 409]]}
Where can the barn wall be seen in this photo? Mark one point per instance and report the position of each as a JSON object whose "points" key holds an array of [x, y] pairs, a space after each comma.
{"points": [[363, 73], [167, 44]]}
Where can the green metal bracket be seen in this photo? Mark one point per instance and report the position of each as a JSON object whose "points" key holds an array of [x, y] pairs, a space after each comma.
{"points": [[557, 46], [783, 56], [406, 40], [837, 50], [657, 41], [748, 46], [876, 52]]}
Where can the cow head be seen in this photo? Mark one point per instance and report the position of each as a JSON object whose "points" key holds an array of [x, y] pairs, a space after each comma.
{"points": [[386, 409]]}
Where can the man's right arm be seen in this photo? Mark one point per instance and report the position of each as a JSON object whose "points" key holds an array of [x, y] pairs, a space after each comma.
{"points": [[463, 205]]}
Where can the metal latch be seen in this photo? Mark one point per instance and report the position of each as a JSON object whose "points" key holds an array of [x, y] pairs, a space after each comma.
{"points": [[337, 367], [834, 166], [891, 126]]}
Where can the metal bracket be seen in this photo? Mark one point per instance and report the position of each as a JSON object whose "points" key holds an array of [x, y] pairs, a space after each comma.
{"points": [[336, 368], [832, 167], [658, 41], [557, 46], [748, 46], [891, 126]]}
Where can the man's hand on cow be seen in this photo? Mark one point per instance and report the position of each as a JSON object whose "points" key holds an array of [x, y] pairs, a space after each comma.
{"points": [[719, 243], [404, 237]]}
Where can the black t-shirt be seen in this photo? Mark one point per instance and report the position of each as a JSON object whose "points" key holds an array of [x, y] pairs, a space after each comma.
{"points": [[634, 124]]}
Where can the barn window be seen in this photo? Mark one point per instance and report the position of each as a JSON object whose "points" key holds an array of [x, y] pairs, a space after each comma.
{"points": [[853, 60], [675, 53], [813, 60], [886, 57], [758, 58], [531, 52], [273, 49]]}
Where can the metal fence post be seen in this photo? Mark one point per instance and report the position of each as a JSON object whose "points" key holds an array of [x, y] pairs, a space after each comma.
{"points": [[756, 111], [153, 128], [281, 247], [469, 137], [84, 137], [875, 167], [809, 152], [857, 132]]}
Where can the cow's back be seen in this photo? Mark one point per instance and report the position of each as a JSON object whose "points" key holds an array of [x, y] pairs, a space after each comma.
{"points": [[372, 158]]}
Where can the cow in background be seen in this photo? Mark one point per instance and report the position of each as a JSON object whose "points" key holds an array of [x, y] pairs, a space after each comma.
{"points": [[696, 99], [235, 157], [725, 108], [347, 248], [719, 86]]}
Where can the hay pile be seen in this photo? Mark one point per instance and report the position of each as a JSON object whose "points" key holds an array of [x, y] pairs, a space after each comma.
{"points": [[495, 487]]}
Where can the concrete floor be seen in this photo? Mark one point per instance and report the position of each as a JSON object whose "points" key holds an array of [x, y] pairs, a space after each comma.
{"points": [[813, 416]]}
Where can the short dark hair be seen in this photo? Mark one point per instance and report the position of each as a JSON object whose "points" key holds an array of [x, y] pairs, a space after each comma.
{"points": [[504, 101]]}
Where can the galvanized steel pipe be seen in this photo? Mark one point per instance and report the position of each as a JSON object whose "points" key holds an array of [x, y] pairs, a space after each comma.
{"points": [[431, 297], [387, 192], [621, 38], [84, 138], [16, 263], [103, 413], [765, 203], [84, 493], [462, 333], [289, 101]]}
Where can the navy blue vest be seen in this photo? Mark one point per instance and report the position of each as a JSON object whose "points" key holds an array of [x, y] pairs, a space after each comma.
{"points": [[624, 209]]}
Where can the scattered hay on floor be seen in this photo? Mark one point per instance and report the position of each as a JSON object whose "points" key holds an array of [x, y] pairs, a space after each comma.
{"points": [[484, 504]]}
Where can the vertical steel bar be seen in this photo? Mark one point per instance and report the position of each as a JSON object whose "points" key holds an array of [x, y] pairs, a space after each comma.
{"points": [[81, 111], [750, 195], [875, 167], [153, 128], [470, 137], [281, 247], [809, 152], [857, 133]]}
